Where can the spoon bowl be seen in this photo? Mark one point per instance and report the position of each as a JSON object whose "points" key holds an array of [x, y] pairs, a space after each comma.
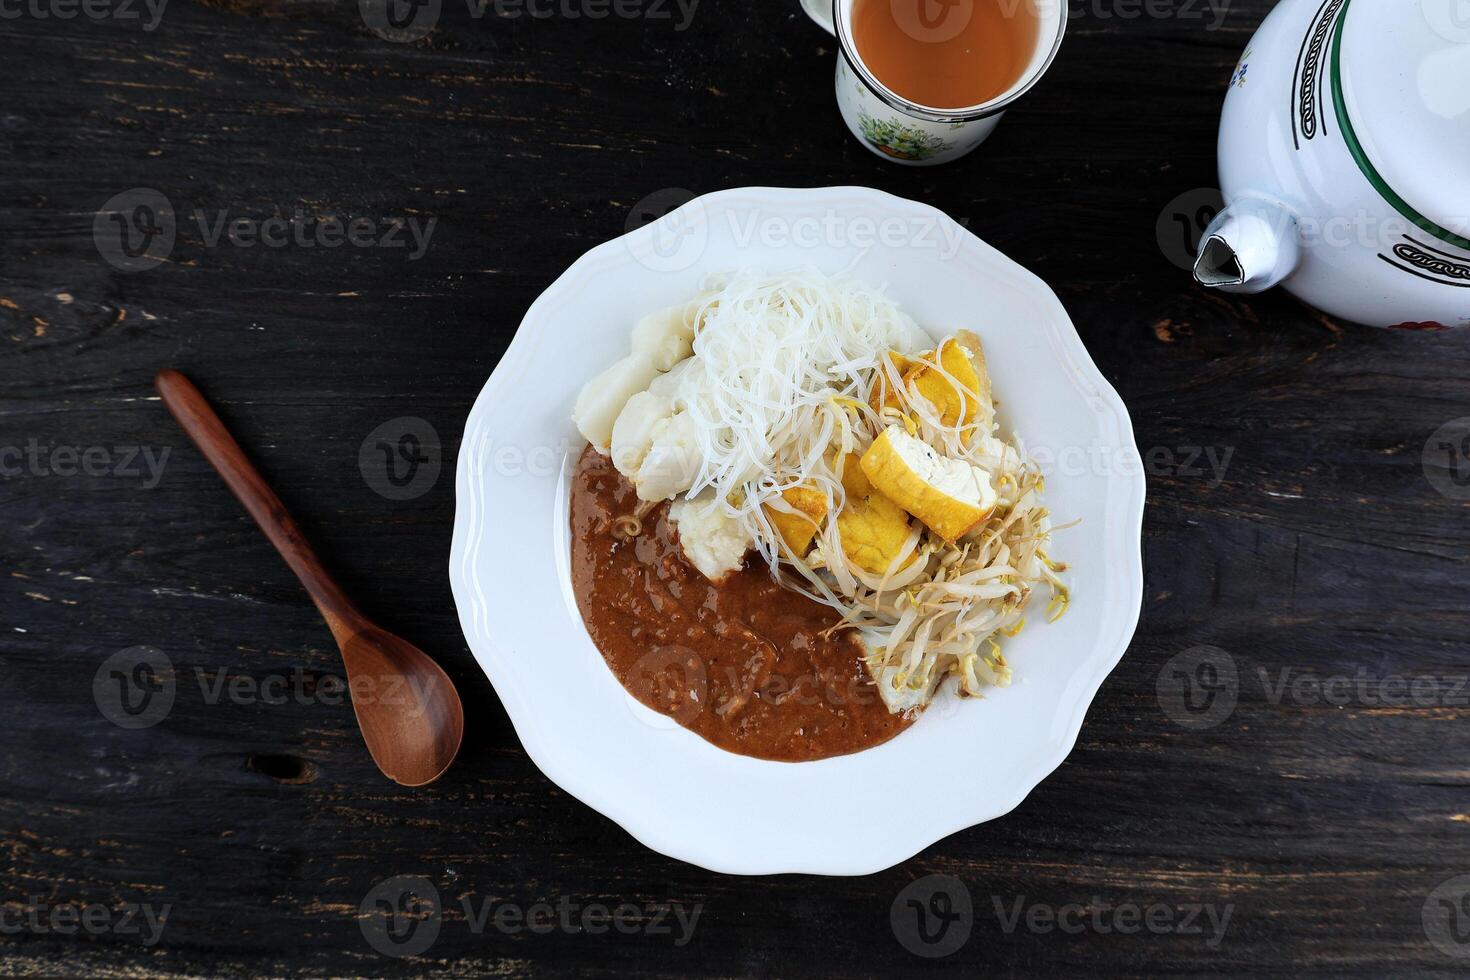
{"points": [[406, 706]]}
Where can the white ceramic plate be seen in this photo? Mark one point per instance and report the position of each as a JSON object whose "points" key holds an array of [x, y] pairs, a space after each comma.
{"points": [[962, 762]]}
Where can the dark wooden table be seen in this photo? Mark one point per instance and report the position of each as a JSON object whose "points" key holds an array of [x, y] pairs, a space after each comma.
{"points": [[1306, 830]]}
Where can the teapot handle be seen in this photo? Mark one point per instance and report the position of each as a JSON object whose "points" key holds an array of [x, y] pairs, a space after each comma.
{"points": [[821, 12]]}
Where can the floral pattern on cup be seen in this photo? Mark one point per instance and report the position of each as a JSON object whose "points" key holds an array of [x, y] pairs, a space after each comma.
{"points": [[899, 140], [898, 137]]}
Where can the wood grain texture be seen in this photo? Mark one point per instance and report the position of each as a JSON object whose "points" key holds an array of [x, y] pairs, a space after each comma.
{"points": [[1321, 549]]}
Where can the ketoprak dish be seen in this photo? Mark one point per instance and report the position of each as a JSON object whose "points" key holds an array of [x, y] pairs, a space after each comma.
{"points": [[796, 519]]}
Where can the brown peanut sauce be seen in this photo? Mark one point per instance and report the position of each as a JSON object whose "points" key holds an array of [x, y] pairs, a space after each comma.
{"points": [[747, 665]]}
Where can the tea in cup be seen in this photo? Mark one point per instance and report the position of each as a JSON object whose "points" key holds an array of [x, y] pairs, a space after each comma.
{"points": [[925, 81]]}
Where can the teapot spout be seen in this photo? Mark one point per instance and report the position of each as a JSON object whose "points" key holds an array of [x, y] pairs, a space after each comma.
{"points": [[1250, 246]]}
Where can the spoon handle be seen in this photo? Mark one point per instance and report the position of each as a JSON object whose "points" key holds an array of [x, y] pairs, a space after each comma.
{"points": [[190, 409]]}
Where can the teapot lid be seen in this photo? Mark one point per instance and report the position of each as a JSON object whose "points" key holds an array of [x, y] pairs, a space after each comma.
{"points": [[1400, 81]]}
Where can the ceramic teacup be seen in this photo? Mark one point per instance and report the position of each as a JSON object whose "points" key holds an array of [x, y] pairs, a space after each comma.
{"points": [[910, 133]]}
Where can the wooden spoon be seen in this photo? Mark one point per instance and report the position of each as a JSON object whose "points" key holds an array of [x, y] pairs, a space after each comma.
{"points": [[406, 706]]}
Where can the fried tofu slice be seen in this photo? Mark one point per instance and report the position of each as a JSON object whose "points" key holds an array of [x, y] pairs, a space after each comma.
{"points": [[874, 529], [883, 395], [951, 496], [799, 525], [962, 358], [984, 397], [954, 405]]}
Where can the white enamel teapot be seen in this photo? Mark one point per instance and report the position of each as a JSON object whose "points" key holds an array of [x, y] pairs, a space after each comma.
{"points": [[1345, 162]]}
